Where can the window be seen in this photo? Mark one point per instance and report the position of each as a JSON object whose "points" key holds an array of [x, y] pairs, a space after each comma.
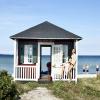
{"points": [[28, 58], [65, 53], [28, 54]]}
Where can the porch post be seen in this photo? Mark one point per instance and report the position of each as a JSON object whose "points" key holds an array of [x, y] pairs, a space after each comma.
{"points": [[15, 58], [76, 73], [38, 67]]}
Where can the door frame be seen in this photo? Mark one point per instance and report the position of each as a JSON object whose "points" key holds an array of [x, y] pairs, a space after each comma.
{"points": [[45, 45]]}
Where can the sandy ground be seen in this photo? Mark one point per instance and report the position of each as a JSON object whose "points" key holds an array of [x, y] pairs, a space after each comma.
{"points": [[39, 93]]}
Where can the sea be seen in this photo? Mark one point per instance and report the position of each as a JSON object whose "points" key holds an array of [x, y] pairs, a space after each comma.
{"points": [[6, 63]]}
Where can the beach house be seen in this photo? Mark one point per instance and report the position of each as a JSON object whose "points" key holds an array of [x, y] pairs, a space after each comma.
{"points": [[40, 51]]}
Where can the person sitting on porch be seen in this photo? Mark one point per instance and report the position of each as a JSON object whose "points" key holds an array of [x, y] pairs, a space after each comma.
{"points": [[67, 67]]}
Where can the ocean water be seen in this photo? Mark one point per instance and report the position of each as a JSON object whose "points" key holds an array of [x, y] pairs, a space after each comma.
{"points": [[6, 62], [92, 61]]}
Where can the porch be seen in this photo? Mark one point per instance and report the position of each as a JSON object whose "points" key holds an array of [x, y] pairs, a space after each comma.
{"points": [[26, 73]]}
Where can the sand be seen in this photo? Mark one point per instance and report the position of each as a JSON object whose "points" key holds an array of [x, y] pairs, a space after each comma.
{"points": [[40, 93]]}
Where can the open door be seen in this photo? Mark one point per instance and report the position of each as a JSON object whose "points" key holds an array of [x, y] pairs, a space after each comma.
{"points": [[57, 55], [45, 61]]}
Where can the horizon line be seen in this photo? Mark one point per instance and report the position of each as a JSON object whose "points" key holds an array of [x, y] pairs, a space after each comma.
{"points": [[78, 55]]}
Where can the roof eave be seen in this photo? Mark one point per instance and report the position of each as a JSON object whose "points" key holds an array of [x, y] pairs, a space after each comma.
{"points": [[46, 38]]}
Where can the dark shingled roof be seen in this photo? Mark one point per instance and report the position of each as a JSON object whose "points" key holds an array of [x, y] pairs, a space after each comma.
{"points": [[45, 30]]}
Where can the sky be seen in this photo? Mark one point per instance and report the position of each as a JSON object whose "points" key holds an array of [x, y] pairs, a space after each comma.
{"points": [[81, 17]]}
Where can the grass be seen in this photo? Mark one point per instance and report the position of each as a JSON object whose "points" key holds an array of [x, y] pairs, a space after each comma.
{"points": [[79, 91], [85, 89], [23, 87]]}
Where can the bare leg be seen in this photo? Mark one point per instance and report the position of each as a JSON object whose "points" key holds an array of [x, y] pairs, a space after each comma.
{"points": [[67, 65], [70, 71], [71, 66]]}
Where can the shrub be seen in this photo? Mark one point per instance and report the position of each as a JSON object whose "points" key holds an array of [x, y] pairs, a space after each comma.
{"points": [[8, 89]]}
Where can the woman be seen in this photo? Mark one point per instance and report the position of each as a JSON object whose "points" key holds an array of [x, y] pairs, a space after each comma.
{"points": [[66, 67], [73, 60]]}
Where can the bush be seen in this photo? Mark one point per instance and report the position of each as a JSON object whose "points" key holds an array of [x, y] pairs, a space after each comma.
{"points": [[8, 89]]}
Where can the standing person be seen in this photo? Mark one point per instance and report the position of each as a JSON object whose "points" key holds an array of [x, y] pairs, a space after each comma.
{"points": [[97, 69], [87, 68], [84, 68], [73, 59]]}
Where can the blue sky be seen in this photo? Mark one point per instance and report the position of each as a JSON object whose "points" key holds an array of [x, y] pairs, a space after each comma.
{"points": [[81, 17]]}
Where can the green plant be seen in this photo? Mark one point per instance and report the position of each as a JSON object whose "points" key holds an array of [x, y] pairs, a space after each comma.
{"points": [[8, 90], [85, 89], [23, 87]]}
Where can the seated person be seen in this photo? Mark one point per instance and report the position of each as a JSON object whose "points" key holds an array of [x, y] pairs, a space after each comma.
{"points": [[70, 64], [49, 67], [66, 66]]}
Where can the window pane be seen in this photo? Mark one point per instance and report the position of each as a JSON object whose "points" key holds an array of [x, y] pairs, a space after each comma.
{"points": [[35, 53], [29, 47], [65, 53], [21, 54]]}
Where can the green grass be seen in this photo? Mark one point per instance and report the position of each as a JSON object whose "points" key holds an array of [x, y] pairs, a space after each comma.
{"points": [[26, 86], [85, 89]]}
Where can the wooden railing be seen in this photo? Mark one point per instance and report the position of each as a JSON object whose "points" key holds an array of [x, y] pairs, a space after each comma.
{"points": [[58, 74], [26, 73]]}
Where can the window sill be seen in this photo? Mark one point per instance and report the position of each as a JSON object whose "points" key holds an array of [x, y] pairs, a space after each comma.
{"points": [[26, 64]]}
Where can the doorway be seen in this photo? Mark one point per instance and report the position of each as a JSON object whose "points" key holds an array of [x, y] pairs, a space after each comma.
{"points": [[45, 60]]}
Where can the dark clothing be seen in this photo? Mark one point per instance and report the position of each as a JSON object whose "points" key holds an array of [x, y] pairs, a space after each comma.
{"points": [[49, 67], [97, 69]]}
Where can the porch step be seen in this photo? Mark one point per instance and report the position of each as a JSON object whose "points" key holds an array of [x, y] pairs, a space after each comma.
{"points": [[45, 79]]}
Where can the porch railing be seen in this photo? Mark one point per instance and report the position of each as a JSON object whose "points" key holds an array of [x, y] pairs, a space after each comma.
{"points": [[58, 74], [26, 73]]}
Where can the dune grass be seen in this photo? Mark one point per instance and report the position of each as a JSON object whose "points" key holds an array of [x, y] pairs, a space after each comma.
{"points": [[85, 89], [72, 91], [23, 87]]}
